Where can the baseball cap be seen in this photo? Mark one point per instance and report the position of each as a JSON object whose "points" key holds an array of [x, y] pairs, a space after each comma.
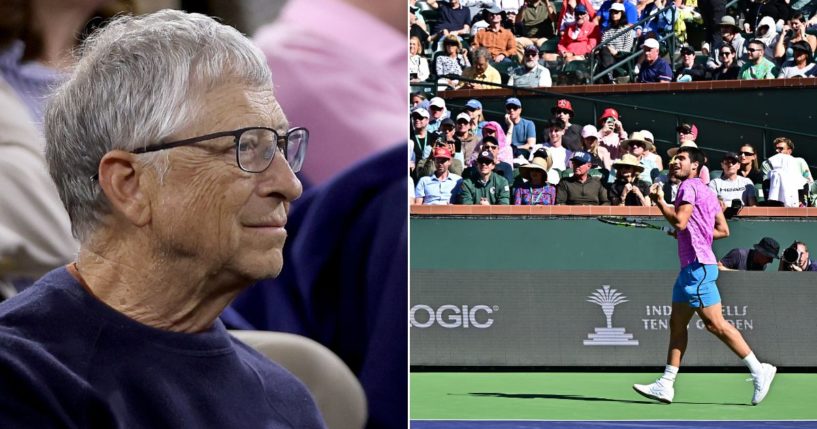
{"points": [[651, 43], [730, 155], [562, 104], [474, 104], [438, 102], [531, 49], [589, 130], [609, 113], [487, 155], [464, 116], [801, 45], [447, 121], [688, 129], [513, 101], [580, 9], [420, 111], [617, 6], [441, 152], [686, 49], [581, 158]]}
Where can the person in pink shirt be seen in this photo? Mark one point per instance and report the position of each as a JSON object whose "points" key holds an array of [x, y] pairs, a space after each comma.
{"points": [[579, 38], [698, 219], [339, 69]]}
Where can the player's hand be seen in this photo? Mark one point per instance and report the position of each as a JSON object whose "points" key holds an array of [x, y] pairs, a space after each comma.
{"points": [[656, 192]]}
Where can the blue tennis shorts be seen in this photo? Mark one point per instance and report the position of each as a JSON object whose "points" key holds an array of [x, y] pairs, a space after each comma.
{"points": [[696, 286]]}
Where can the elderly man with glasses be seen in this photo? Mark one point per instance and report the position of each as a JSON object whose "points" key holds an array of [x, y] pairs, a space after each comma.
{"points": [[177, 167]]}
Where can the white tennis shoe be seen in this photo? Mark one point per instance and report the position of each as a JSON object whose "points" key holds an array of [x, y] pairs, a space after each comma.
{"points": [[763, 382], [656, 391]]}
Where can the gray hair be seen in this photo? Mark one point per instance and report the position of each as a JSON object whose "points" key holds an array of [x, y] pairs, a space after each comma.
{"points": [[138, 81]]}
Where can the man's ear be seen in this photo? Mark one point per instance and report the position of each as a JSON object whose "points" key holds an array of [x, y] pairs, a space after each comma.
{"points": [[120, 176]]}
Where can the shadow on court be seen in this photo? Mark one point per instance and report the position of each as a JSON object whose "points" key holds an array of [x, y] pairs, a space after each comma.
{"points": [[586, 398]]}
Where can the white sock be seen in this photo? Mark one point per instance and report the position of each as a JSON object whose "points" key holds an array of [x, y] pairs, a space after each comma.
{"points": [[751, 361], [668, 378]]}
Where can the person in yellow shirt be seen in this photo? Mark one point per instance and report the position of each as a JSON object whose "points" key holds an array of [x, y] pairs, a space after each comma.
{"points": [[481, 71]]}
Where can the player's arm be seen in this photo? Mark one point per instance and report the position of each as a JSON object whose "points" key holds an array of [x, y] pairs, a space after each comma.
{"points": [[677, 218], [721, 227]]}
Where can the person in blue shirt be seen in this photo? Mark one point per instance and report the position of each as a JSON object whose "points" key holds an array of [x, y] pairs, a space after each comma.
{"points": [[653, 68], [521, 131]]}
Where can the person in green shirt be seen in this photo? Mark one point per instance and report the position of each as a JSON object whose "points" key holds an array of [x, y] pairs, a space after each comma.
{"points": [[483, 186], [757, 67]]}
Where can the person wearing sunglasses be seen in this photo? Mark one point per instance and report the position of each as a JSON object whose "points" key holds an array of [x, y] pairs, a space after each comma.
{"points": [[687, 70], [749, 166], [177, 167], [728, 68], [757, 65], [730, 34], [530, 74]]}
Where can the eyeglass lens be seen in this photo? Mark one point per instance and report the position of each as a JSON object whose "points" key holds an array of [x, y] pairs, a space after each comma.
{"points": [[257, 147]]}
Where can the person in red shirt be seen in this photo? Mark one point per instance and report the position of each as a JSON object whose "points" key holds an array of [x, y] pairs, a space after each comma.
{"points": [[579, 38]]}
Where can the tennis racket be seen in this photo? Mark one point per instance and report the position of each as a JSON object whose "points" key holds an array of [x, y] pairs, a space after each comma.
{"points": [[633, 223]]}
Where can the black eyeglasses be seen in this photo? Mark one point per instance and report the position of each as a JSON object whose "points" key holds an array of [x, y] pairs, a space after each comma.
{"points": [[747, 153], [724, 54], [255, 147], [490, 146], [750, 50]]}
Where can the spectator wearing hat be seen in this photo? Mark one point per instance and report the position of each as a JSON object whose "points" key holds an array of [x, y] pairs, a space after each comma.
{"points": [[535, 191], [482, 71], [427, 166], [572, 138], [653, 68], [686, 132], [422, 138], [611, 132], [600, 156], [530, 74], [619, 43], [453, 61], [732, 186], [730, 34], [793, 32], [520, 131], [463, 132], [651, 152], [749, 167], [755, 259], [474, 109], [448, 134], [604, 17], [580, 37], [568, 13], [687, 70], [500, 42], [757, 65], [504, 155], [581, 188], [438, 112], [535, 23], [638, 146], [796, 258], [629, 189], [800, 65], [558, 153], [728, 68], [454, 19], [483, 187], [439, 187]]}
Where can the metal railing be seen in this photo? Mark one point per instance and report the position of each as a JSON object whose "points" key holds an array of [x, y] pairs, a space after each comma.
{"points": [[671, 39]]}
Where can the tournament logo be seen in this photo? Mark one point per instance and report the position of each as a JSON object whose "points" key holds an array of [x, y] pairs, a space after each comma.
{"points": [[608, 299]]}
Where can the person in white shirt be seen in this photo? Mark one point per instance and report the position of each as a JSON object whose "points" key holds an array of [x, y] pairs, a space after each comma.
{"points": [[732, 186]]}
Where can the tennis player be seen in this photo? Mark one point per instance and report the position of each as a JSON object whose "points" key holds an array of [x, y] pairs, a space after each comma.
{"points": [[698, 219]]}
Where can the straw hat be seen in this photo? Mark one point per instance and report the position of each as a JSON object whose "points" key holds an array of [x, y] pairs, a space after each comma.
{"points": [[673, 150], [639, 137], [538, 163], [629, 160]]}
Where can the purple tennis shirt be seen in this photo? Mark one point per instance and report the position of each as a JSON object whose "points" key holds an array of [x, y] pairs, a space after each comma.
{"points": [[695, 242]]}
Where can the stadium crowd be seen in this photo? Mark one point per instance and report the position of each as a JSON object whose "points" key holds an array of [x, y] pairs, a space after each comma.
{"points": [[460, 158], [538, 43]]}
